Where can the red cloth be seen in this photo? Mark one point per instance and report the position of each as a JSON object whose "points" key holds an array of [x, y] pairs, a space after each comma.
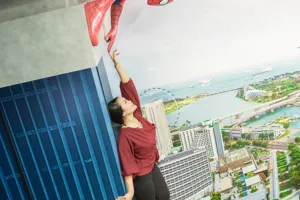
{"points": [[136, 146]]}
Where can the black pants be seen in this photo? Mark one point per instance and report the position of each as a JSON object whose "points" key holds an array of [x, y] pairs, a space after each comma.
{"points": [[151, 186]]}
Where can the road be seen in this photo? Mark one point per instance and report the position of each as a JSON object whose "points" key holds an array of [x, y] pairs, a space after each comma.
{"points": [[271, 187], [275, 181]]}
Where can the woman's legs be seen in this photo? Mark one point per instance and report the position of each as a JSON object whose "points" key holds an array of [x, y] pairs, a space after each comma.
{"points": [[144, 187], [161, 188], [151, 186]]}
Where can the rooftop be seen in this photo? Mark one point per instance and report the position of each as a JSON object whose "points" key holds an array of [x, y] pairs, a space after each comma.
{"points": [[261, 169], [191, 127], [259, 195], [253, 180], [225, 184], [249, 168], [181, 155], [236, 155]]}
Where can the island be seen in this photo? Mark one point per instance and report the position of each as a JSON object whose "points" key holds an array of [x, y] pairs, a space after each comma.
{"points": [[171, 106], [271, 89]]}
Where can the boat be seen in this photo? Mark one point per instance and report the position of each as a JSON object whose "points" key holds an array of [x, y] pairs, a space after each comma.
{"points": [[204, 81], [192, 86]]}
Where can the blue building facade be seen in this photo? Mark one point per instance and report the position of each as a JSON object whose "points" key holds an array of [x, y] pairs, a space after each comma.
{"points": [[56, 139]]}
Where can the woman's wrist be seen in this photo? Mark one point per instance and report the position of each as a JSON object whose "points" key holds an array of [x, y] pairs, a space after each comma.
{"points": [[117, 65], [130, 194]]}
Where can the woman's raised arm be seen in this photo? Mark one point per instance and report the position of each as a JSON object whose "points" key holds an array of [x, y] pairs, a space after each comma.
{"points": [[122, 74]]}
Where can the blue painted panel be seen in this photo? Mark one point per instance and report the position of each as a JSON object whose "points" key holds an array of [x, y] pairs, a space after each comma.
{"points": [[63, 138], [11, 184]]}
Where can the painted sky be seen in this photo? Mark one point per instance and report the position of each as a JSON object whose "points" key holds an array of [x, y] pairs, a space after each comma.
{"points": [[192, 39]]}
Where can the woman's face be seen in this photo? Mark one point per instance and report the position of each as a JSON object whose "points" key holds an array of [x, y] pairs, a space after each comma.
{"points": [[127, 106]]}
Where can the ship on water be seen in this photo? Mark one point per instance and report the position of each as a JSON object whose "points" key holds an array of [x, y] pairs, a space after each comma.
{"points": [[205, 82], [265, 70]]}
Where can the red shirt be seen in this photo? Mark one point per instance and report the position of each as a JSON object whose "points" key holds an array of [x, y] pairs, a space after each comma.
{"points": [[136, 146]]}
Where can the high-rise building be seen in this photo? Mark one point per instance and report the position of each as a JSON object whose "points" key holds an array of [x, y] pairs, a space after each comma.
{"points": [[188, 174], [155, 113], [187, 137], [207, 134], [205, 137], [219, 138]]}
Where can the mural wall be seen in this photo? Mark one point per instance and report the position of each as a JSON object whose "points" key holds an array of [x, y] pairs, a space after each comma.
{"points": [[206, 52], [230, 63]]}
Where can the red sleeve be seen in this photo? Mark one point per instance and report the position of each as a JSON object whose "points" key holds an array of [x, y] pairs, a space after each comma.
{"points": [[126, 155], [129, 92]]}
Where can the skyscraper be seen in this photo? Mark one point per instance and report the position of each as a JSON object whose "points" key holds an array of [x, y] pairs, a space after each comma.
{"points": [[207, 134], [205, 137], [155, 113], [218, 138], [188, 174], [187, 137]]}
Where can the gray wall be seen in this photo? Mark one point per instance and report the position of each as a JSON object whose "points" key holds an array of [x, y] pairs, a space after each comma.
{"points": [[47, 44]]}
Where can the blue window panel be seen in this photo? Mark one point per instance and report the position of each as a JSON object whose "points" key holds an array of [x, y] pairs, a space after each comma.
{"points": [[5, 192], [61, 131], [10, 177], [109, 142]]}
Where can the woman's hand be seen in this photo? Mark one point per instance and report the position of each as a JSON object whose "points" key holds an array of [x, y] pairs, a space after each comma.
{"points": [[122, 74], [114, 56], [127, 196]]}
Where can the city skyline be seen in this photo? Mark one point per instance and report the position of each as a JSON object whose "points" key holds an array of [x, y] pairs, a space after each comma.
{"points": [[226, 37]]}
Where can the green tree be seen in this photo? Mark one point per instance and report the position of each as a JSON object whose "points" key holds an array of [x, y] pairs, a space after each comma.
{"points": [[248, 136], [266, 136], [216, 196], [243, 135], [272, 135], [286, 125], [253, 189], [176, 143], [261, 136], [297, 139], [273, 95], [226, 139], [250, 174], [227, 146], [265, 144], [295, 178], [213, 174]]}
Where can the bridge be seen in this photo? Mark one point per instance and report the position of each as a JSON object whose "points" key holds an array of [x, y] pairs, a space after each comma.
{"points": [[215, 93], [221, 92], [262, 108], [276, 145]]}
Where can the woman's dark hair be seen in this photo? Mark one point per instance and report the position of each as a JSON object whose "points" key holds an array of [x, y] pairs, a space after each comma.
{"points": [[115, 111]]}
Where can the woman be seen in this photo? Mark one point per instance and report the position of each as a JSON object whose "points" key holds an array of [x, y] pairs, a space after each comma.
{"points": [[136, 143]]}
